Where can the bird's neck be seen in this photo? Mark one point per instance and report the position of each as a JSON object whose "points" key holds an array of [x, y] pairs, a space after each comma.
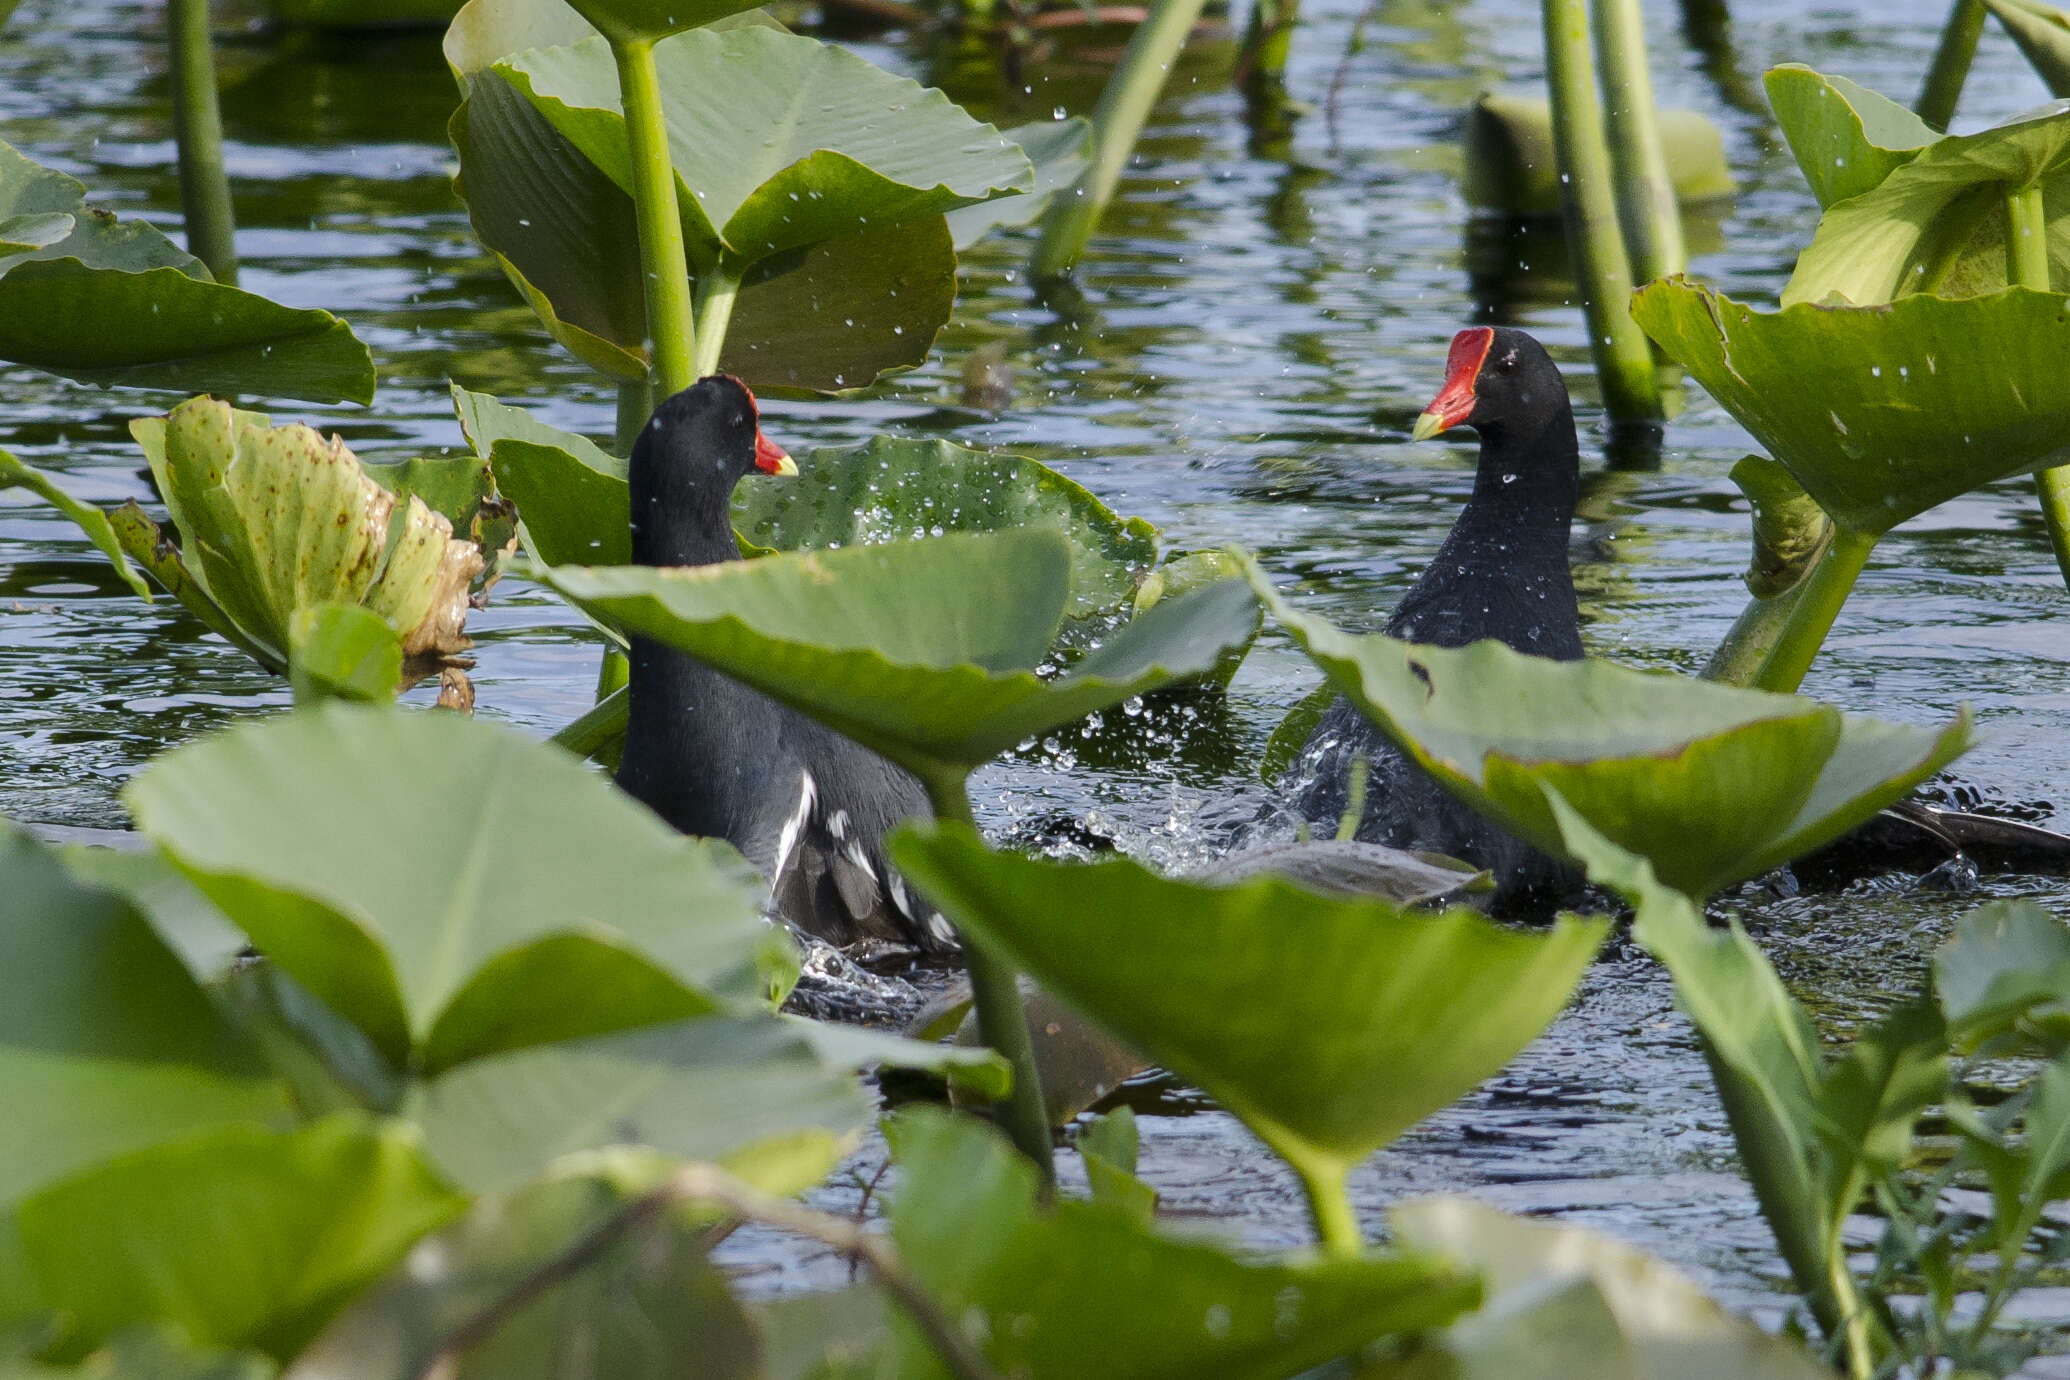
{"points": [[1530, 479], [672, 530]]}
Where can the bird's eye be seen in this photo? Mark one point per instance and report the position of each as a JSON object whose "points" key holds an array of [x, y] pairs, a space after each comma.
{"points": [[740, 419], [1507, 362]]}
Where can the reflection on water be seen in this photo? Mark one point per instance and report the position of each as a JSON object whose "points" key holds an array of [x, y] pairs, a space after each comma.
{"points": [[1255, 333]]}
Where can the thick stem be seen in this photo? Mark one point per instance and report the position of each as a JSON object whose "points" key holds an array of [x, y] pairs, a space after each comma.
{"points": [[1648, 210], [662, 260], [1819, 598], [1329, 1204], [1951, 63], [1754, 634], [2026, 255], [1002, 1020], [1624, 360], [198, 128], [716, 288], [599, 729], [1124, 105], [635, 406]]}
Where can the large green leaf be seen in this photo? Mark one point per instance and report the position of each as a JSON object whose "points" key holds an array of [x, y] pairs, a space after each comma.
{"points": [[780, 142], [1846, 137], [714, 1088], [1710, 783], [1330, 1026], [91, 520], [115, 303], [1937, 396], [106, 1042], [1083, 1289], [1059, 151], [2043, 35], [276, 520], [565, 235], [240, 1237], [1659, 1324], [455, 888], [1937, 224], [573, 1276], [925, 651]]}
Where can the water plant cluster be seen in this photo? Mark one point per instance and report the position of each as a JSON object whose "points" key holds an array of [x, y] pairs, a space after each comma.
{"points": [[403, 1044]]}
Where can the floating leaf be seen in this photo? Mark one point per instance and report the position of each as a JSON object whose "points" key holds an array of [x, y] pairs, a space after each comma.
{"points": [[412, 893], [91, 520], [574, 1266], [925, 651], [1329, 1026], [275, 519], [1080, 1289], [1846, 137], [713, 1088], [116, 303], [241, 1237], [1511, 166], [1652, 1319], [1711, 783], [1933, 398]]}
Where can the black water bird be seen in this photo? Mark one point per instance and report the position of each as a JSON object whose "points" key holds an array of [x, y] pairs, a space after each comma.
{"points": [[712, 756], [1502, 573]]}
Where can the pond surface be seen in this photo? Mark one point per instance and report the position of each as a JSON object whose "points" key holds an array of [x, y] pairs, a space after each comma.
{"points": [[1261, 321]]}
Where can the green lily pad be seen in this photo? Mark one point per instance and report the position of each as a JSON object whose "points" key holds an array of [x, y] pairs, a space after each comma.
{"points": [[1081, 1289], [1059, 150], [836, 142], [115, 303], [1184, 572], [274, 520], [2005, 969], [486, 1292], [107, 1044], [1318, 1021], [711, 1088], [1710, 783], [414, 894], [1657, 1324], [241, 1237], [565, 236], [925, 651], [1937, 224], [1846, 137], [1932, 397], [646, 20], [92, 521]]}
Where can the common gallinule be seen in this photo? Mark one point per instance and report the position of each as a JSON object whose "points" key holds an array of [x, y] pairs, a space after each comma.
{"points": [[1501, 573], [714, 757]]}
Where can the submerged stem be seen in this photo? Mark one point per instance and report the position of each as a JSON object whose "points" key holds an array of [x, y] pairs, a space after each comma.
{"points": [[663, 265], [1002, 1020], [716, 288], [1624, 359], [1647, 206], [198, 129], [1124, 105], [1819, 597], [1951, 61]]}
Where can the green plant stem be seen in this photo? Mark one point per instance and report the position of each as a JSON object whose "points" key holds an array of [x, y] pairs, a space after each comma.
{"points": [[1336, 1222], [198, 129], [1753, 636], [1951, 61], [601, 726], [662, 260], [1821, 593], [1857, 1339], [1648, 210], [1002, 1020], [635, 405], [2026, 255], [716, 288], [1624, 359], [1268, 38], [612, 672], [1124, 105]]}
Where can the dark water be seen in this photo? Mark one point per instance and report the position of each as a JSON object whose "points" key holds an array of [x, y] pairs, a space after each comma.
{"points": [[1262, 320]]}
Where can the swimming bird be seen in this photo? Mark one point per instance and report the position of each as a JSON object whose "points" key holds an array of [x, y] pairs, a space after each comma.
{"points": [[1502, 573], [712, 756]]}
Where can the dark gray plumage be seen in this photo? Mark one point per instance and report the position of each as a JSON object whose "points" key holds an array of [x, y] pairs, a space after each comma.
{"points": [[1502, 573], [715, 757]]}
